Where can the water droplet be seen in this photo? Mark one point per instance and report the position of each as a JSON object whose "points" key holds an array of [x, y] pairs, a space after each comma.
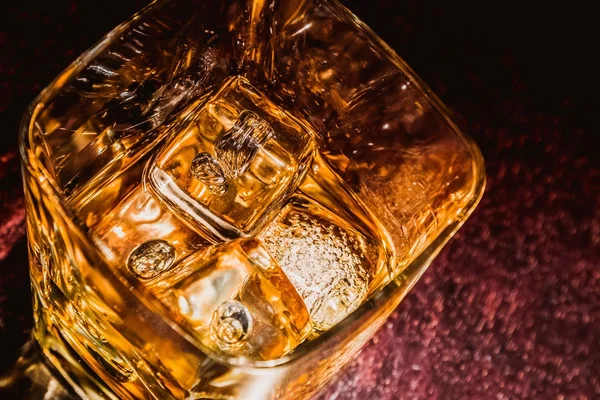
{"points": [[208, 171], [237, 147], [231, 324], [151, 258]]}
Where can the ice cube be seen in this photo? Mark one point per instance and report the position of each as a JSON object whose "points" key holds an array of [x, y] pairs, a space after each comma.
{"points": [[140, 234], [331, 261], [238, 300], [233, 164]]}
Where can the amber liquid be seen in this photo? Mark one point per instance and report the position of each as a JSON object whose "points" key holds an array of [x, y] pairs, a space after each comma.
{"points": [[254, 244], [216, 237]]}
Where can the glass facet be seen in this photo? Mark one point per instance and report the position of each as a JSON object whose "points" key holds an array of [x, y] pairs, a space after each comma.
{"points": [[226, 199]]}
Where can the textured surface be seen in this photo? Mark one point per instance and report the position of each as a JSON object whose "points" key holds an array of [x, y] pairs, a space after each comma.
{"points": [[511, 307], [325, 262]]}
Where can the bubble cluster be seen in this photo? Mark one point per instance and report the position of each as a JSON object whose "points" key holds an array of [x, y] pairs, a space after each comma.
{"points": [[151, 258], [231, 325], [208, 171]]}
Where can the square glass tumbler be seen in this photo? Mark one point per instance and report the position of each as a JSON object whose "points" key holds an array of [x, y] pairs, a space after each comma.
{"points": [[328, 155]]}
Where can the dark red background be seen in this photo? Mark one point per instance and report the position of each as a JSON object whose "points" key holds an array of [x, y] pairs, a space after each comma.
{"points": [[511, 308]]}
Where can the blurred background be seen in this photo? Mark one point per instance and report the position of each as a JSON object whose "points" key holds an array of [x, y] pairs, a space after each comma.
{"points": [[511, 307]]}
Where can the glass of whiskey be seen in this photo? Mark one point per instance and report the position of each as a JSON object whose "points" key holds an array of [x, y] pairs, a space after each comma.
{"points": [[226, 199]]}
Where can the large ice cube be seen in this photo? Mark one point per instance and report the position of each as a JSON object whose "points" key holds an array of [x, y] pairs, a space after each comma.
{"points": [[234, 164], [330, 246], [140, 234], [238, 300]]}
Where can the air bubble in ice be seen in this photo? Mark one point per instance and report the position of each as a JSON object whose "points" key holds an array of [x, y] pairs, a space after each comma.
{"points": [[231, 324], [208, 171], [151, 258], [237, 147]]}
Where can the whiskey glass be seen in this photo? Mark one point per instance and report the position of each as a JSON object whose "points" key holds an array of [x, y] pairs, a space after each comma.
{"points": [[367, 151]]}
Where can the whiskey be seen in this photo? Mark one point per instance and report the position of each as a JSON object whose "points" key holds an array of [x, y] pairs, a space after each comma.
{"points": [[239, 226]]}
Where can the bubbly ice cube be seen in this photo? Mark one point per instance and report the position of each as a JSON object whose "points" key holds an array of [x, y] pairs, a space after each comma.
{"points": [[237, 299], [330, 261], [331, 246], [234, 163]]}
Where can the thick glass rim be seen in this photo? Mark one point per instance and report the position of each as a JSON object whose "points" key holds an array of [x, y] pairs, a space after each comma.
{"points": [[395, 288]]}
